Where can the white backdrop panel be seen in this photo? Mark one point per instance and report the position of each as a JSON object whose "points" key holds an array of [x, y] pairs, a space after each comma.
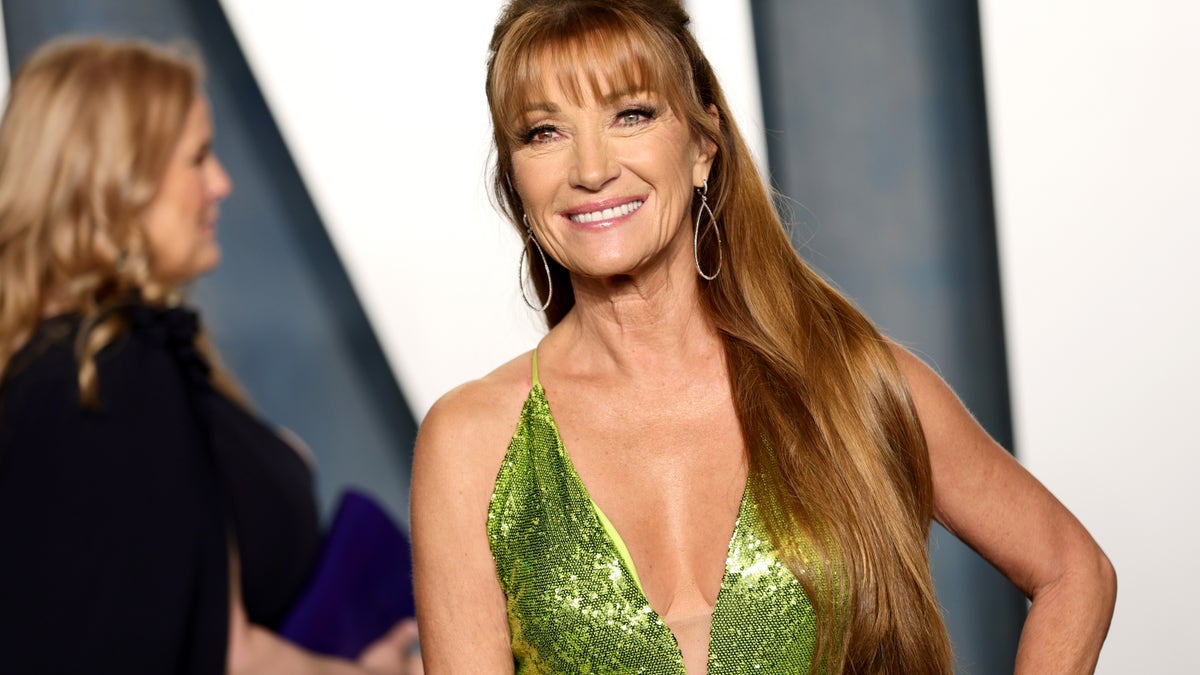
{"points": [[1093, 109]]}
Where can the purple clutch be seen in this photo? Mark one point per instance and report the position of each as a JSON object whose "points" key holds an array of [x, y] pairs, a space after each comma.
{"points": [[362, 584]]}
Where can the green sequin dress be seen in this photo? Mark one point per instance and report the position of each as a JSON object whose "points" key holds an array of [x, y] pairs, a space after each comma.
{"points": [[574, 602]]}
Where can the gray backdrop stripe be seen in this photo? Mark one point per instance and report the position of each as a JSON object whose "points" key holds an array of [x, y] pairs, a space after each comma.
{"points": [[877, 136], [280, 307]]}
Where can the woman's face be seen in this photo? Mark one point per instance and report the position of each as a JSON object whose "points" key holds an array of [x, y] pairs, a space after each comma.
{"points": [[607, 184], [181, 220]]}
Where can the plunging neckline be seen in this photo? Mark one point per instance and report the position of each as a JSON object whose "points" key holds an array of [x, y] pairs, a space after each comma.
{"points": [[572, 601], [613, 537]]}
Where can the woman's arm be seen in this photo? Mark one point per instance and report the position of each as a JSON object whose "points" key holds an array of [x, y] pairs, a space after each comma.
{"points": [[460, 605], [253, 649], [987, 499]]}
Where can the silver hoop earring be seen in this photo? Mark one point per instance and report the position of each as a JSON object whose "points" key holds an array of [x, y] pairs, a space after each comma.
{"points": [[529, 238], [712, 219]]}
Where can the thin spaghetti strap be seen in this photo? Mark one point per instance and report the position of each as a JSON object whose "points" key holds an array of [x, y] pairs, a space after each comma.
{"points": [[535, 375]]}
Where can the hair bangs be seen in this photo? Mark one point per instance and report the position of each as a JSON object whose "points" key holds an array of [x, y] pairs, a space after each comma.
{"points": [[589, 57]]}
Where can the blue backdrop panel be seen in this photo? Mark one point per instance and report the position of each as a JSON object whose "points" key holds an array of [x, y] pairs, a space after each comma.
{"points": [[877, 136], [280, 306]]}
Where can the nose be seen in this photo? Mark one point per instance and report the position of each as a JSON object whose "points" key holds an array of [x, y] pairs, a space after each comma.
{"points": [[219, 183], [594, 165]]}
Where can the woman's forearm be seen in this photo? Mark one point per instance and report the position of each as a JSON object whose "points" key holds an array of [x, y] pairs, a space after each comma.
{"points": [[262, 652]]}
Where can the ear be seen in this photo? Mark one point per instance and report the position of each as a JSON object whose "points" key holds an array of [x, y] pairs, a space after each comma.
{"points": [[708, 151]]}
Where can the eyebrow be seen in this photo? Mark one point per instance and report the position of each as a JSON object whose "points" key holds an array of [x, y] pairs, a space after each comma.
{"points": [[542, 106], [625, 93]]}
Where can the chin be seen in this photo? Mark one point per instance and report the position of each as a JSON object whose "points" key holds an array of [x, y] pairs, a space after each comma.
{"points": [[204, 263], [209, 262]]}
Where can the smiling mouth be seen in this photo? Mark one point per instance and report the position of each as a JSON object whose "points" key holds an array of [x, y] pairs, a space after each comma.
{"points": [[606, 214]]}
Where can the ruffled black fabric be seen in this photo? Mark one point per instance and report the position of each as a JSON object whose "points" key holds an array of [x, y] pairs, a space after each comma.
{"points": [[174, 328]]}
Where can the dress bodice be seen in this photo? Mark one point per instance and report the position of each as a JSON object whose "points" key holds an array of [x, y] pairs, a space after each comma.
{"points": [[574, 600]]}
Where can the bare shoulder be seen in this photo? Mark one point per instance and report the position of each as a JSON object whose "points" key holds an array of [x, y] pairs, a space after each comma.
{"points": [[916, 371], [467, 431], [480, 410], [932, 397]]}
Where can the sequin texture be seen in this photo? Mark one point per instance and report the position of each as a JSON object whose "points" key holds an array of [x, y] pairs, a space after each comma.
{"points": [[574, 607]]}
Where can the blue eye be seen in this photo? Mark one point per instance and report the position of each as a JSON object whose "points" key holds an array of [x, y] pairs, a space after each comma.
{"points": [[634, 116]]}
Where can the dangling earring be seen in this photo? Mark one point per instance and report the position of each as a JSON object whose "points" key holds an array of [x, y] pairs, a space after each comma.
{"points": [[521, 268], [712, 219]]}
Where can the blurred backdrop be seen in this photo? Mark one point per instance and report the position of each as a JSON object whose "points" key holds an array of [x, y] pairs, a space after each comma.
{"points": [[1005, 188]]}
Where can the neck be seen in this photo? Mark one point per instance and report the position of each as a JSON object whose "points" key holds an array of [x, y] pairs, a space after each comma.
{"points": [[638, 323]]}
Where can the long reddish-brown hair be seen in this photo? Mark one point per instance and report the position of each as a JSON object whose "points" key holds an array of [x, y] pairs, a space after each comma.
{"points": [[837, 451], [86, 137]]}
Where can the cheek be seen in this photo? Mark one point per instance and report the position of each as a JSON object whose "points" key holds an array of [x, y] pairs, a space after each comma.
{"points": [[537, 179], [667, 163], [189, 201], [158, 224], [173, 239], [166, 239]]}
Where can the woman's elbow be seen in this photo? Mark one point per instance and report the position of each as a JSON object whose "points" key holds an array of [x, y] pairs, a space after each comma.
{"points": [[1106, 581], [1086, 580], [1091, 581]]}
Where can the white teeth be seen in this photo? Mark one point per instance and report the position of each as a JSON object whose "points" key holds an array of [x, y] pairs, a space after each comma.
{"points": [[607, 214]]}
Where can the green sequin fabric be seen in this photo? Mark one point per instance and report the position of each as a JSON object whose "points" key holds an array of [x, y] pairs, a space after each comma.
{"points": [[574, 607]]}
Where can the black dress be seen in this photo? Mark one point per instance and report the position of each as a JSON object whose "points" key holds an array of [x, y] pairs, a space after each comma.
{"points": [[115, 523]]}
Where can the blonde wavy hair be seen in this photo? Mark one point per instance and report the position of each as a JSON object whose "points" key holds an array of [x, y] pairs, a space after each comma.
{"points": [[844, 468], [88, 131]]}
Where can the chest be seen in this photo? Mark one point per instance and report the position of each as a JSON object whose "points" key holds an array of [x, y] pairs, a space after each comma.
{"points": [[643, 444], [575, 603]]}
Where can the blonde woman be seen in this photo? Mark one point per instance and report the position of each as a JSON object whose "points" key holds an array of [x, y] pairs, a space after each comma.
{"points": [[150, 522], [718, 464]]}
